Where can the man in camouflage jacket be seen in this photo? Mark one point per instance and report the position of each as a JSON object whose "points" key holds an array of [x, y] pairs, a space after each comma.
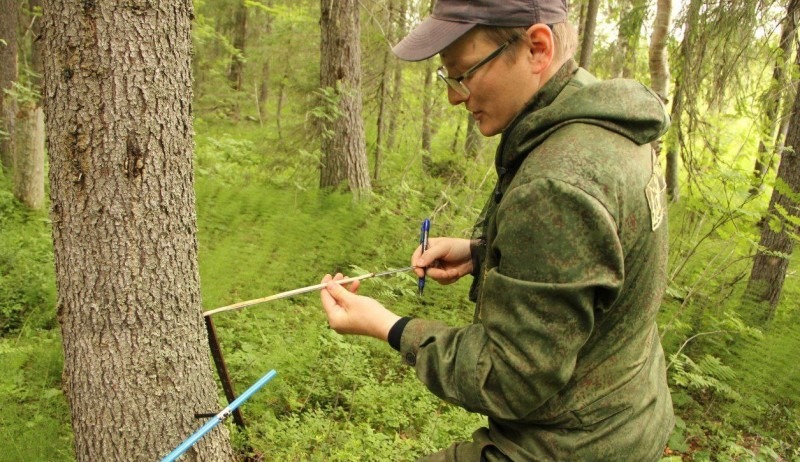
{"points": [[568, 258]]}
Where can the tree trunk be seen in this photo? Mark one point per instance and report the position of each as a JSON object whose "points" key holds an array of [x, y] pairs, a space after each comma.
{"points": [[37, 46], [427, 114], [629, 29], [263, 89], [658, 61], [29, 156], [239, 37], [344, 150], [29, 132], [587, 38], [582, 19], [620, 51], [772, 100], [671, 176], [474, 141], [8, 75], [383, 94], [427, 110], [383, 97], [685, 76], [118, 109], [638, 16], [400, 28], [281, 101], [659, 64], [780, 227]]}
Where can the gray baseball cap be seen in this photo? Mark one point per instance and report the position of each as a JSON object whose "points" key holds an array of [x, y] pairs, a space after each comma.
{"points": [[453, 18]]}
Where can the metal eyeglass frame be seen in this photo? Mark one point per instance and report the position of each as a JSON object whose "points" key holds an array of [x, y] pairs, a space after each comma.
{"points": [[456, 83]]}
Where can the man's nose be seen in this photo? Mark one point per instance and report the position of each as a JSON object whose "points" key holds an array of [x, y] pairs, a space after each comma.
{"points": [[454, 97]]}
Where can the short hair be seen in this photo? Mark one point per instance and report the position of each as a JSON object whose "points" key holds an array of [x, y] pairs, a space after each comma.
{"points": [[565, 38]]}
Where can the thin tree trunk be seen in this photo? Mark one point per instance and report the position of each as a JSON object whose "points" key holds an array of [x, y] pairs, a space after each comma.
{"points": [[29, 134], [8, 75], [673, 149], [427, 114], [631, 19], [281, 100], [427, 110], [658, 62], [772, 101], [118, 108], [263, 89], [239, 38], [587, 39], [657, 56], [400, 28], [282, 85], [383, 94], [29, 156], [344, 150], [474, 141], [37, 47], [780, 226], [620, 51], [685, 76]]}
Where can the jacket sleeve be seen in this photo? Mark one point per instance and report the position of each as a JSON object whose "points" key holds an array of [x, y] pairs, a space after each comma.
{"points": [[556, 258]]}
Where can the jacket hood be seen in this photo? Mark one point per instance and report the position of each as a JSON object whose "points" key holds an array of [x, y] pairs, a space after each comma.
{"points": [[622, 106]]}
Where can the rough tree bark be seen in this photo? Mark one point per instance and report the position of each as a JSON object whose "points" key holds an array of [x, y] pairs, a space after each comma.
{"points": [[8, 75], [344, 147], [780, 225], [118, 106]]}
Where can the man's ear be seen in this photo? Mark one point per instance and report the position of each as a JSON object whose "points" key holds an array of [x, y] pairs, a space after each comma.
{"points": [[542, 47]]}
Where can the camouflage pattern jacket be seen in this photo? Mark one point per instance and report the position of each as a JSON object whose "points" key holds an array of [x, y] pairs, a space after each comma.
{"points": [[564, 356]]}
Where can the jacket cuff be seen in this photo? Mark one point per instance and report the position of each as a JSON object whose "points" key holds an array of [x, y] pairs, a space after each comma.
{"points": [[396, 332], [477, 248]]}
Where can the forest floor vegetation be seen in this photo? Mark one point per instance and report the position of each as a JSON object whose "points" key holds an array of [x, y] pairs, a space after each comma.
{"points": [[264, 228]]}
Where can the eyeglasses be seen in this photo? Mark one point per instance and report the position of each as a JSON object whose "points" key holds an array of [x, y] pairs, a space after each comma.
{"points": [[457, 83]]}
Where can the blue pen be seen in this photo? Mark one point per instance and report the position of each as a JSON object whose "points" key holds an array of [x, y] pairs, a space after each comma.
{"points": [[423, 241]]}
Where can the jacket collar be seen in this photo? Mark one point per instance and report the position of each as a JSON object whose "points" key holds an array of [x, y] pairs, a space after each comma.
{"points": [[541, 99]]}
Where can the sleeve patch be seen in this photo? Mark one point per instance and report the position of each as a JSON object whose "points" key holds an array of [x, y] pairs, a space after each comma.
{"points": [[656, 195]]}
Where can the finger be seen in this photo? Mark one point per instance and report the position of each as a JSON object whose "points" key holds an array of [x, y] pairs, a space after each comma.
{"points": [[337, 292], [327, 300], [421, 260], [353, 287]]}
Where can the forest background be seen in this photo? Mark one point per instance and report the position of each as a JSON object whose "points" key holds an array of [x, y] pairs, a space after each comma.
{"points": [[272, 214]]}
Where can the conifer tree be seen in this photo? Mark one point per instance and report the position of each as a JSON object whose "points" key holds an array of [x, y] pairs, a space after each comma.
{"points": [[118, 108]]}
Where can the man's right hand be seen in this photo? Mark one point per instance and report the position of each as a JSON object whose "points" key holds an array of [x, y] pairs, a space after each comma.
{"points": [[447, 259]]}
